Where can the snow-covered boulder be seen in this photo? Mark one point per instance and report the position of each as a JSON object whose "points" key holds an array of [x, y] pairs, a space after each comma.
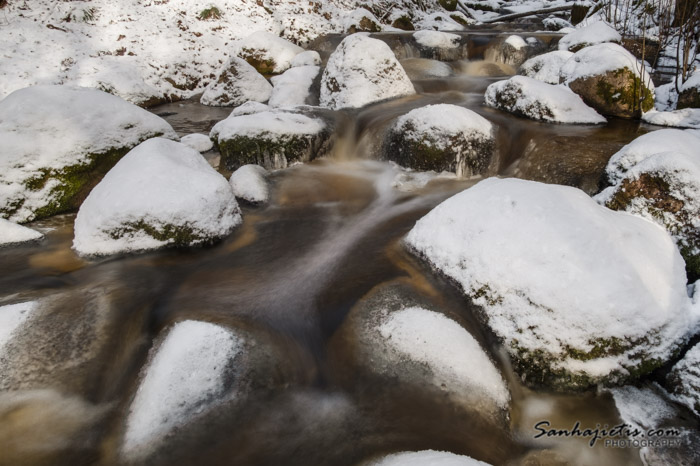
{"points": [[360, 20], [578, 294], [684, 118], [360, 71], [591, 34], [401, 19], [11, 233], [513, 50], [308, 58], [199, 142], [426, 458], [249, 108], [162, 193], [273, 139], [537, 100], [250, 184], [683, 382], [188, 372], [553, 23], [292, 87], [441, 137], [425, 68], [395, 334], [609, 79], [545, 67], [439, 45], [236, 83], [657, 176], [267, 53], [58, 141], [689, 96]]}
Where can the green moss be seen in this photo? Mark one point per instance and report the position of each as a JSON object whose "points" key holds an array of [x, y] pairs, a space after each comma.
{"points": [[626, 96], [449, 5], [460, 20], [209, 14], [256, 59], [176, 235], [403, 23]]}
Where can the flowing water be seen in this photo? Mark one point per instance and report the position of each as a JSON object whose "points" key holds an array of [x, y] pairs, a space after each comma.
{"points": [[289, 275]]}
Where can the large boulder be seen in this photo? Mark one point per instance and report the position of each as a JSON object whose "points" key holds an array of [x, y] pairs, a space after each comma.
{"points": [[11, 233], [608, 79], [591, 34], [236, 83], [689, 96], [162, 193], [361, 71], [293, 87], [441, 137], [267, 53], [578, 294], [545, 67], [657, 176], [273, 139], [537, 100], [399, 338], [58, 141]]}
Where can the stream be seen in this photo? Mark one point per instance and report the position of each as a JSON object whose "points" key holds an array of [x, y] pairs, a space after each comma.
{"points": [[289, 275]]}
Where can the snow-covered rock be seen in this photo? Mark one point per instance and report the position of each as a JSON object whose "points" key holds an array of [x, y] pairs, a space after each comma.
{"points": [[657, 176], [236, 83], [11, 233], [545, 67], [199, 142], [579, 294], [119, 76], [439, 45], [684, 118], [555, 24], [307, 58], [249, 183], [689, 96], [58, 141], [292, 88], [361, 71], [273, 139], [426, 458], [266, 52], [683, 381], [609, 79], [162, 193], [396, 334], [249, 108], [361, 20], [441, 137], [590, 34], [538, 100], [188, 372]]}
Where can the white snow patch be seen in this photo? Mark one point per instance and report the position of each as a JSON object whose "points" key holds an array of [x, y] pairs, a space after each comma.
{"points": [[545, 67], [49, 128], [555, 271], [236, 83], [249, 183], [292, 88], [186, 375], [684, 118], [361, 71], [12, 317], [516, 42], [540, 101], [307, 58], [591, 34], [164, 185], [454, 356], [436, 39], [199, 142], [267, 46], [642, 408], [11, 233], [427, 458]]}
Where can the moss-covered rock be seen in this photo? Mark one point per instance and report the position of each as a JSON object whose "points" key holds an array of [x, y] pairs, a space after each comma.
{"points": [[59, 141], [689, 97], [272, 139], [404, 23], [441, 138], [449, 5]]}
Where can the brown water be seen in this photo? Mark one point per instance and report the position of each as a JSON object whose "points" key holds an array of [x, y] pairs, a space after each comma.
{"points": [[289, 275]]}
